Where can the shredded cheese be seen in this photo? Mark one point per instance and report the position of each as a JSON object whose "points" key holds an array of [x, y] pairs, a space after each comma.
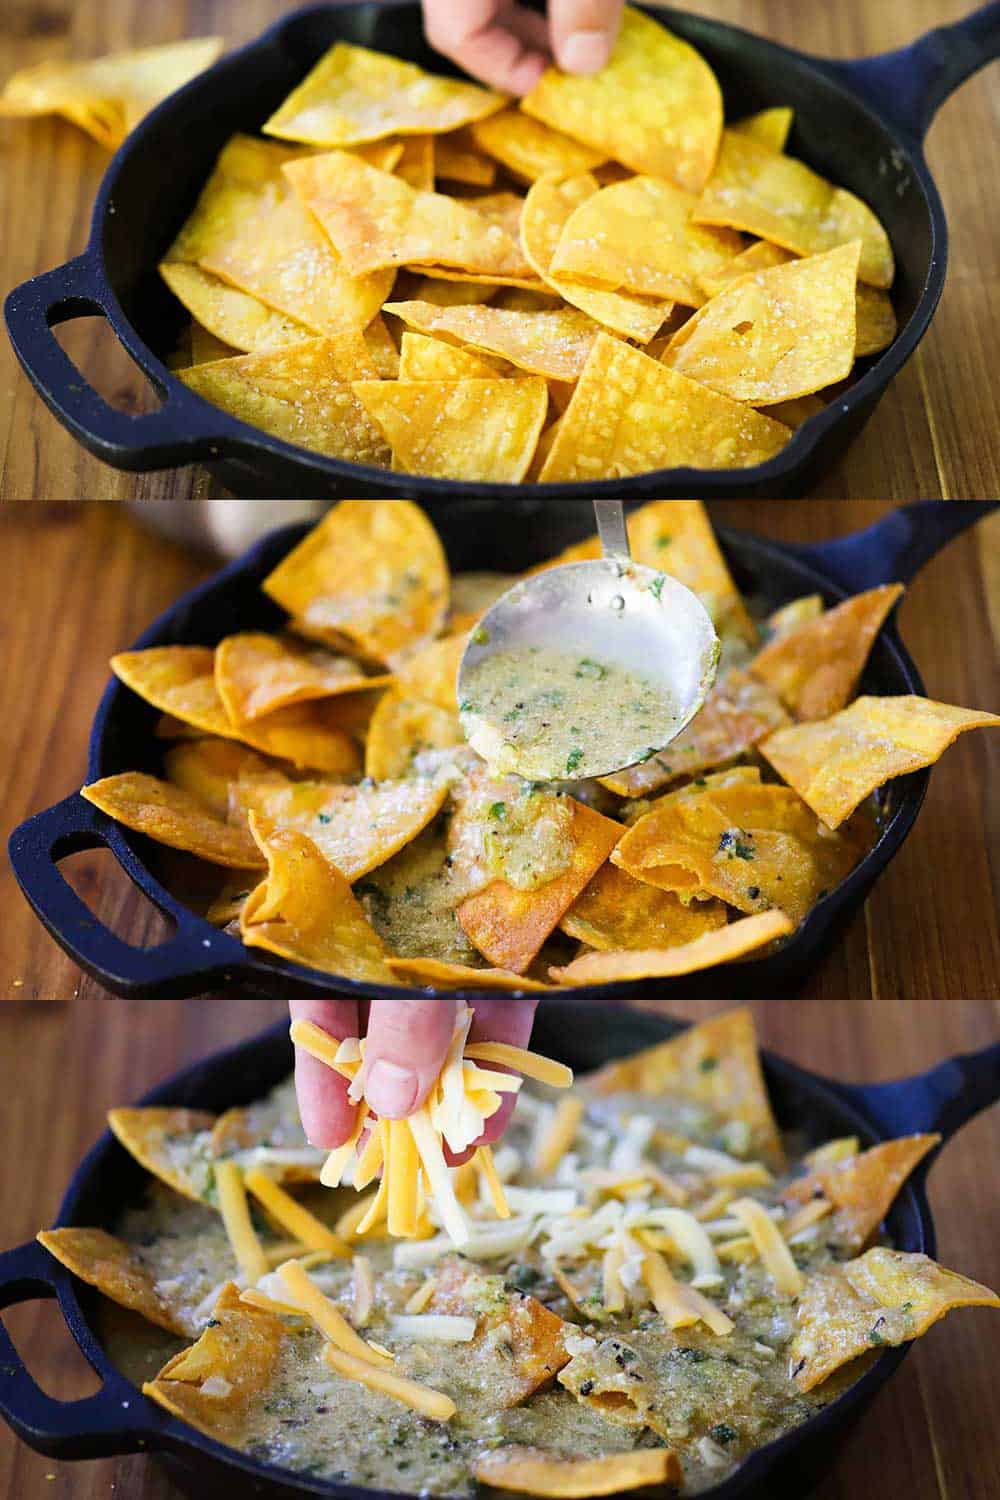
{"points": [[440, 1328], [727, 1170], [422, 1296], [339, 1159], [291, 1215], [323, 1312], [613, 1288], [324, 1047], [483, 1160], [402, 1169], [347, 1225], [770, 1246], [363, 1290], [559, 1136], [530, 1064], [432, 1160], [255, 1298], [808, 1215], [379, 1209], [235, 1211], [681, 1306], [370, 1161], [690, 1241], [566, 1286], [432, 1404]]}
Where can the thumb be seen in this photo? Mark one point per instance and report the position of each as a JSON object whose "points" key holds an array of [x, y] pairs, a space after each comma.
{"points": [[404, 1053], [584, 32]]}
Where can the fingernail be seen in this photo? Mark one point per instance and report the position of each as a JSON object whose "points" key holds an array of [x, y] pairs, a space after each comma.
{"points": [[585, 52], [391, 1090]]}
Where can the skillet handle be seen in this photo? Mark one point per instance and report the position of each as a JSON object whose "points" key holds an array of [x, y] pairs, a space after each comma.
{"points": [[116, 1419], [911, 84], [944, 1099], [894, 549], [184, 965]]}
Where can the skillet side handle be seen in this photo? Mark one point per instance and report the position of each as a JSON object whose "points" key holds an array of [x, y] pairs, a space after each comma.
{"points": [[113, 1420], [911, 84], [182, 966], [943, 1099], [895, 548]]}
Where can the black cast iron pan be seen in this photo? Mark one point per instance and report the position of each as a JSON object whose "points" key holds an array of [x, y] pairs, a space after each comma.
{"points": [[119, 1420], [859, 123], [198, 957]]}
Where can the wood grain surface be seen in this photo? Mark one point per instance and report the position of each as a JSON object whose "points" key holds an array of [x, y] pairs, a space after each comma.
{"points": [[929, 1435], [83, 581], [936, 433]]}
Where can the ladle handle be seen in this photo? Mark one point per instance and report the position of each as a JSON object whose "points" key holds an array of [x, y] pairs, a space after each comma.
{"points": [[610, 515]]}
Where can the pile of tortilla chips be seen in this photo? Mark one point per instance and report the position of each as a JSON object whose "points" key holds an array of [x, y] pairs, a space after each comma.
{"points": [[325, 768], [604, 279]]}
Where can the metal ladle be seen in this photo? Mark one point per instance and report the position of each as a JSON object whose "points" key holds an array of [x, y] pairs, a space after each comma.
{"points": [[612, 611]]}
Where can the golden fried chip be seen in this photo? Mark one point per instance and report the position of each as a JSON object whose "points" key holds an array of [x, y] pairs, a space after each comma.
{"points": [[530, 150], [372, 570], [815, 668], [884, 1298], [554, 344], [171, 816], [538, 1471], [445, 293], [794, 413], [617, 911], [737, 714], [457, 159], [423, 358], [432, 672], [638, 236], [548, 206], [117, 1270], [376, 220], [206, 348], [760, 256], [862, 1188], [466, 429], [533, 1334], [835, 763], [630, 414], [402, 728], [415, 164], [775, 335], [353, 94], [108, 96], [234, 317], [296, 393], [256, 673], [206, 768], [721, 946], [382, 349], [875, 320], [438, 974], [676, 537], [160, 1138], [656, 106], [769, 126], [778, 198], [791, 615], [752, 846]]}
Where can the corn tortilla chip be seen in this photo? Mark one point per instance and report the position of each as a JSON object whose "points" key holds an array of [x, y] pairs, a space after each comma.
{"points": [[863, 1187], [206, 347], [778, 198], [160, 1139], [617, 911], [775, 335], [655, 106], [444, 293], [537, 1471], [432, 672], [875, 320], [402, 728], [835, 763], [769, 126], [457, 159], [815, 668], [354, 94], [117, 1270], [554, 344], [791, 615], [533, 1334], [171, 816], [467, 429], [676, 537], [884, 1298], [415, 164], [374, 571], [724, 945], [382, 349], [436, 973], [257, 673], [234, 317], [206, 768], [629, 414], [760, 256], [530, 150], [423, 358]]}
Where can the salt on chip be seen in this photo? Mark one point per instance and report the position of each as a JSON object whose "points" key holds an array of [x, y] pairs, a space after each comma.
{"points": [[555, 344], [457, 159], [778, 198], [616, 911], [532, 1334], [163, 1139], [721, 946], [374, 571], [760, 256], [402, 728], [863, 1187], [439, 974], [769, 126], [354, 94], [475, 430], [116, 1269], [171, 816], [234, 317], [424, 358], [656, 105], [835, 763], [815, 668], [630, 414], [775, 335], [206, 768], [530, 150], [257, 673], [382, 349], [537, 1471]]}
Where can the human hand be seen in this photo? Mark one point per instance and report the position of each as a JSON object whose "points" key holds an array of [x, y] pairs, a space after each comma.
{"points": [[406, 1047], [508, 46]]}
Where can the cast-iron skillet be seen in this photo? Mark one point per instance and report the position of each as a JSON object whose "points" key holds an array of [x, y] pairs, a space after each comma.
{"points": [[861, 124], [118, 1420], [199, 957]]}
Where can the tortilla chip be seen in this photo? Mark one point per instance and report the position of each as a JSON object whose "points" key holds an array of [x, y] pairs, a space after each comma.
{"points": [[737, 714], [238, 1352], [116, 1269], [305, 911], [724, 945], [753, 846], [206, 768], [768, 126], [716, 1064], [509, 926], [616, 911], [152, 1135], [835, 763], [884, 1298], [816, 667], [232, 316], [374, 571], [423, 358], [862, 1189], [376, 220], [402, 728], [108, 96], [436, 973], [629, 415], [466, 429], [227, 904], [778, 198], [555, 343], [534, 1335], [353, 94], [457, 159], [206, 348], [775, 335], [355, 828], [639, 236], [257, 673], [613, 1380], [415, 163], [382, 349], [450, 293], [875, 321], [676, 537], [538, 1471], [791, 615], [432, 672], [543, 450], [530, 150], [548, 206], [656, 106], [760, 256], [171, 816]]}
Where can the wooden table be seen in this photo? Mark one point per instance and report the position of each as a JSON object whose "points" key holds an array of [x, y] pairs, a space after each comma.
{"points": [[84, 580], [935, 433], [929, 1436]]}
